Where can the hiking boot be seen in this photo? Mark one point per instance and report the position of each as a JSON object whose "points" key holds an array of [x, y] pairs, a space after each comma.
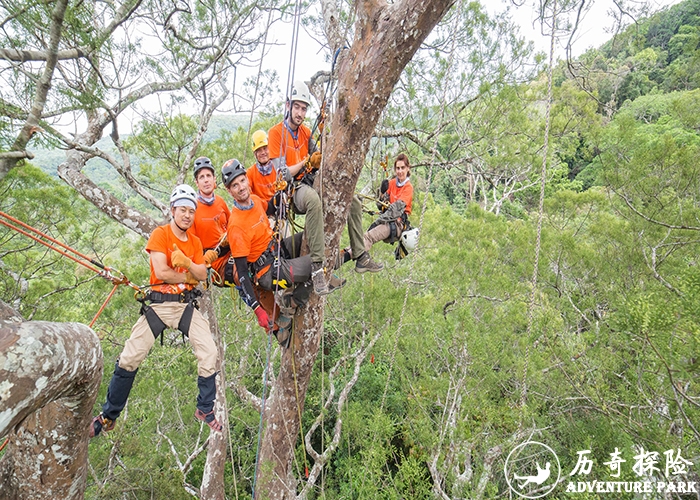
{"points": [[209, 419], [99, 424], [365, 263], [336, 283], [318, 278]]}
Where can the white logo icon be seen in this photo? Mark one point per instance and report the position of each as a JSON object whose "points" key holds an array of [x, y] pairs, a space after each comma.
{"points": [[524, 473]]}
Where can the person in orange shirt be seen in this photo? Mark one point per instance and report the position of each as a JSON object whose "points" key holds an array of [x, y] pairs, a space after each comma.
{"points": [[262, 175], [177, 266], [292, 143], [259, 259], [211, 217], [399, 195]]}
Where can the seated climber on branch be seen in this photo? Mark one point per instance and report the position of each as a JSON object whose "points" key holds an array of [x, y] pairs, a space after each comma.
{"points": [[259, 258], [396, 200], [177, 266], [292, 143]]}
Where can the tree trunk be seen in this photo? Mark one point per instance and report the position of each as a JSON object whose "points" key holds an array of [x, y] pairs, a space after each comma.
{"points": [[386, 38], [49, 377], [213, 487], [281, 423]]}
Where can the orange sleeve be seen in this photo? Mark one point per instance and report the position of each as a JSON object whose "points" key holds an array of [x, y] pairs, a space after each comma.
{"points": [[239, 241], [158, 242], [274, 140]]}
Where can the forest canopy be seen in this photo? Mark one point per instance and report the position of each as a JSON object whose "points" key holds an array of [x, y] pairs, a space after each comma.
{"points": [[452, 356]]}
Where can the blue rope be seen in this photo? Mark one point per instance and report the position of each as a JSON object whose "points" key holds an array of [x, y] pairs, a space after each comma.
{"points": [[262, 412]]}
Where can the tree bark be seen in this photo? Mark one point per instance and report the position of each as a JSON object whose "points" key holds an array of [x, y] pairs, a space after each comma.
{"points": [[49, 377], [386, 38], [71, 171], [213, 487]]}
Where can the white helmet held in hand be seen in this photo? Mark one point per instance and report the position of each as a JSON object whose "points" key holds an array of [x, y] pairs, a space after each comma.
{"points": [[409, 239], [183, 195], [300, 92]]}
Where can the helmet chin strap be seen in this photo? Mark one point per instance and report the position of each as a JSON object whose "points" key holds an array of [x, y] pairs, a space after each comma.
{"points": [[172, 214]]}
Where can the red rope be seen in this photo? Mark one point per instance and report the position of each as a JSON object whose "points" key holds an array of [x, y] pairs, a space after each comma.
{"points": [[104, 271], [116, 285], [44, 235], [39, 240]]}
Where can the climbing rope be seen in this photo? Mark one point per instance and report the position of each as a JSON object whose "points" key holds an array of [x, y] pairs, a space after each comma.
{"points": [[262, 414], [543, 173], [280, 214], [114, 276], [257, 86], [441, 125]]}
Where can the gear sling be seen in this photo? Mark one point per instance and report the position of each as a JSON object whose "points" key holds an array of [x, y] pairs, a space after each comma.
{"points": [[156, 324]]}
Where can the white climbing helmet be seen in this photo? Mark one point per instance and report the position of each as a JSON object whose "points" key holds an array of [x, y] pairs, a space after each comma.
{"points": [[409, 239], [183, 196], [300, 92]]}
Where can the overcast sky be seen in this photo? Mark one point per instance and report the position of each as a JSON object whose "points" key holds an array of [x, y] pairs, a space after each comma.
{"points": [[594, 30]]}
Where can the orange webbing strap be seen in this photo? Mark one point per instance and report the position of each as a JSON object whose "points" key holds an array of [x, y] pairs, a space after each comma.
{"points": [[71, 253]]}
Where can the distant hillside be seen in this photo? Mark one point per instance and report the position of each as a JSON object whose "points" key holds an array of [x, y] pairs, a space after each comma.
{"points": [[659, 54], [100, 172], [220, 123]]}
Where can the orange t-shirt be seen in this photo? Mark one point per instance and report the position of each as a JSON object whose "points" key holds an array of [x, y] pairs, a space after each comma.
{"points": [[281, 142], [249, 232], [210, 222], [261, 185], [162, 240], [404, 193]]}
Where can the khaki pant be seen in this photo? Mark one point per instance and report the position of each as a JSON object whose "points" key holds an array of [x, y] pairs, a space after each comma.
{"points": [[377, 233], [141, 339], [307, 201]]}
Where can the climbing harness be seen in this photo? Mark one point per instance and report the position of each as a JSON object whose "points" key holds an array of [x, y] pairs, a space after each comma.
{"points": [[156, 325], [109, 273]]}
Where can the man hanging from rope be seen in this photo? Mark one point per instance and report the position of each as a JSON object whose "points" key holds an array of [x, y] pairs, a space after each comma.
{"points": [[260, 258], [177, 266], [291, 141], [266, 177]]}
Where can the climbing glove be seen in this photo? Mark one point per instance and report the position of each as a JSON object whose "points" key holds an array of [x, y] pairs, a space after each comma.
{"points": [[384, 186], [210, 256], [190, 279], [263, 318], [179, 259], [315, 160]]}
